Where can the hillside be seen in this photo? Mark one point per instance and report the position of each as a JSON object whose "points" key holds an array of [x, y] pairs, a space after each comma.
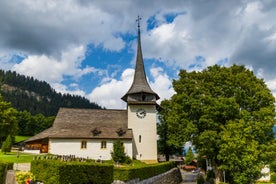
{"points": [[34, 96]]}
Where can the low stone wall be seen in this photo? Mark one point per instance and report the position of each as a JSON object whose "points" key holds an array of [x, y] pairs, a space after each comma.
{"points": [[172, 176]]}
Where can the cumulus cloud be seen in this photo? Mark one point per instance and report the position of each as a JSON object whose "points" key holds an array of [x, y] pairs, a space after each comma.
{"points": [[47, 68], [220, 33], [53, 36], [49, 27], [109, 93]]}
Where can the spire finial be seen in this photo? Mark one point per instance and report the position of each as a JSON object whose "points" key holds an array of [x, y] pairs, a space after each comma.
{"points": [[138, 22]]}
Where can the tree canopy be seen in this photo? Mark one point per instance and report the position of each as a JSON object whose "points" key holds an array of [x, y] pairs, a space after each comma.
{"points": [[34, 96], [228, 115], [8, 122]]}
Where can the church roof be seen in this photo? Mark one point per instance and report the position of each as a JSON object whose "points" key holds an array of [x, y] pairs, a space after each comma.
{"points": [[87, 123], [140, 83]]}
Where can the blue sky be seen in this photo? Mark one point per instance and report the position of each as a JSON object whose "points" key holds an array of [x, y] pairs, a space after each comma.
{"points": [[89, 47]]}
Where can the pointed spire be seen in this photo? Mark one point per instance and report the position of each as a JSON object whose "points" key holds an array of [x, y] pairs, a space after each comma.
{"points": [[140, 84]]}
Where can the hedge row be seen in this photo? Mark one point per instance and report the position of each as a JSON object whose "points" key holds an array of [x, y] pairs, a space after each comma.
{"points": [[56, 172], [141, 172], [3, 167], [273, 178]]}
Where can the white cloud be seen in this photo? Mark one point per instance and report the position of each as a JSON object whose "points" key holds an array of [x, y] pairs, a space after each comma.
{"points": [[53, 35], [51, 69], [63, 89], [271, 84], [162, 84], [109, 93]]}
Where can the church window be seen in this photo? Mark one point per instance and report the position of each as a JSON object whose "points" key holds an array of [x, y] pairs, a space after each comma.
{"points": [[103, 145], [143, 97], [140, 138], [83, 144]]}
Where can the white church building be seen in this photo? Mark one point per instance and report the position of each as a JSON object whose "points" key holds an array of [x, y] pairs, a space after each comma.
{"points": [[91, 132]]}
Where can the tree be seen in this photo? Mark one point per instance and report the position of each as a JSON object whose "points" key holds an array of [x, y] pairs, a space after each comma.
{"points": [[228, 114], [7, 144], [8, 122], [189, 157], [118, 154], [164, 145]]}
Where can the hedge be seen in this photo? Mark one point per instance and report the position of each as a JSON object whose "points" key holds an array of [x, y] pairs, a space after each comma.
{"points": [[57, 172], [273, 178], [3, 167], [141, 172]]}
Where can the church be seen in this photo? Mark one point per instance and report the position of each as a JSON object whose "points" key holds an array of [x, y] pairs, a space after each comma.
{"points": [[90, 133]]}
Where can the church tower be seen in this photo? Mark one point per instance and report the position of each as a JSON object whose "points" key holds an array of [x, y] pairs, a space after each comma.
{"points": [[141, 107]]}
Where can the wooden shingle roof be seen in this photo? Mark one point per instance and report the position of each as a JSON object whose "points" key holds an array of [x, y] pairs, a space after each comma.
{"points": [[87, 123], [140, 83]]}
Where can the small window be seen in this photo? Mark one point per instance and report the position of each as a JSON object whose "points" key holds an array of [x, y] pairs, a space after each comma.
{"points": [[83, 144], [140, 138], [103, 145], [143, 97]]}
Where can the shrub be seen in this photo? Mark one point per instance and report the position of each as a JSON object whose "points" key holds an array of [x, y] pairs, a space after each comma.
{"points": [[211, 174], [118, 154], [7, 144], [273, 178], [273, 166], [200, 179], [57, 172], [22, 177], [3, 167]]}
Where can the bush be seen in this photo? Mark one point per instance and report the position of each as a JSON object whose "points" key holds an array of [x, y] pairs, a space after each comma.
{"points": [[200, 179], [7, 144], [22, 177], [141, 172], [273, 178], [57, 172], [118, 154], [211, 177], [273, 166], [3, 167]]}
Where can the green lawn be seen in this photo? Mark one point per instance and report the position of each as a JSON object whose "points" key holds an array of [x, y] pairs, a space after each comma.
{"points": [[20, 138], [12, 157]]}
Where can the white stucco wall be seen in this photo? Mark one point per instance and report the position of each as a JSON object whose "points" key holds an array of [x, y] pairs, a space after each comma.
{"points": [[146, 128], [92, 151]]}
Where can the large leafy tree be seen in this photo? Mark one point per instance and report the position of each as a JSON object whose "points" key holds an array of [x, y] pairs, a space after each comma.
{"points": [[228, 115], [8, 122], [163, 143]]}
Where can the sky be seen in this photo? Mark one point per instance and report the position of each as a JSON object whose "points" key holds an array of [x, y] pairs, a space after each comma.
{"points": [[88, 48]]}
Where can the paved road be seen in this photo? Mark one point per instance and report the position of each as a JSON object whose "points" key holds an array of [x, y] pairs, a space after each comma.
{"points": [[188, 177]]}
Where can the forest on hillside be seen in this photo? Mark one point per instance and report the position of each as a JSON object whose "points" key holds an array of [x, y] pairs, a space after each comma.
{"points": [[37, 97]]}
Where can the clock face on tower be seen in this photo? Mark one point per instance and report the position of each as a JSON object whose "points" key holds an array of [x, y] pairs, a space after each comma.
{"points": [[141, 113]]}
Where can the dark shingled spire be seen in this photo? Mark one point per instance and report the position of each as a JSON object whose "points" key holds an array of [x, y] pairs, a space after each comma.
{"points": [[140, 84]]}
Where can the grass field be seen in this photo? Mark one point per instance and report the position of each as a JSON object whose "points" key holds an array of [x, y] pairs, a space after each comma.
{"points": [[20, 138], [13, 157]]}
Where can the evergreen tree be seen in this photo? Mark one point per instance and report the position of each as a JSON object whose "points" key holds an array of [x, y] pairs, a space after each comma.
{"points": [[7, 144], [189, 156], [118, 154]]}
